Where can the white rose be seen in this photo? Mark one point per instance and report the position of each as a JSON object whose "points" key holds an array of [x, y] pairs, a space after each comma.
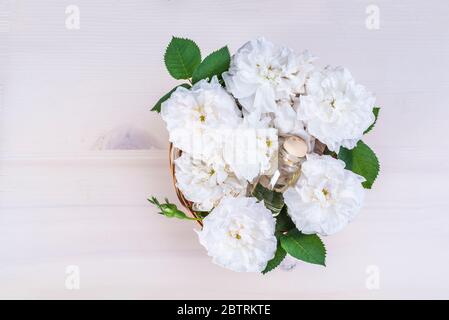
{"points": [[262, 73], [251, 149], [194, 116], [205, 184], [285, 117], [326, 197], [239, 234], [336, 110], [286, 120]]}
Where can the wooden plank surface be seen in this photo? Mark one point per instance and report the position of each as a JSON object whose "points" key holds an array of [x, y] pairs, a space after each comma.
{"points": [[80, 151]]}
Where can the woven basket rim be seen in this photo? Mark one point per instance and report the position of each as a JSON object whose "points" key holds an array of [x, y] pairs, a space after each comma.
{"points": [[173, 154]]}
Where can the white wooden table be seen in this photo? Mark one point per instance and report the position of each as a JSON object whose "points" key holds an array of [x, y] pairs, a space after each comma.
{"points": [[80, 151]]}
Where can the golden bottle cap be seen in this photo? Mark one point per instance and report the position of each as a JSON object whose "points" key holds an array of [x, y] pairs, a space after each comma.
{"points": [[295, 146]]}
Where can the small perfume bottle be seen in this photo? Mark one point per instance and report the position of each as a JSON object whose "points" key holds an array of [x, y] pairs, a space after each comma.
{"points": [[292, 152]]}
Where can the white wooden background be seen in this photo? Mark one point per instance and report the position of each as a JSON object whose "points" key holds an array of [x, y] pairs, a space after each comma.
{"points": [[80, 151]]}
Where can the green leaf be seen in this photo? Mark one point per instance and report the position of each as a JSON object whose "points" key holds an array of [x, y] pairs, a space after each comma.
{"points": [[182, 57], [305, 247], [283, 221], [376, 115], [213, 65], [361, 160], [157, 106], [273, 200], [276, 261]]}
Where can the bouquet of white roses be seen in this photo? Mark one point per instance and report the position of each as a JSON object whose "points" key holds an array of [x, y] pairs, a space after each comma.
{"points": [[266, 151]]}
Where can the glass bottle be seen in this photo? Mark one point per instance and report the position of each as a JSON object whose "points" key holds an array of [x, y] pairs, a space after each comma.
{"points": [[292, 152]]}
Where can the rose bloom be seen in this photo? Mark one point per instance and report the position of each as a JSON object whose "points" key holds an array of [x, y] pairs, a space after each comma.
{"points": [[326, 197], [239, 234], [336, 110], [194, 116], [262, 73], [205, 184], [251, 149]]}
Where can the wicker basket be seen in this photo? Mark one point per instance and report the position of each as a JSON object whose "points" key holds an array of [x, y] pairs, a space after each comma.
{"points": [[175, 153]]}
